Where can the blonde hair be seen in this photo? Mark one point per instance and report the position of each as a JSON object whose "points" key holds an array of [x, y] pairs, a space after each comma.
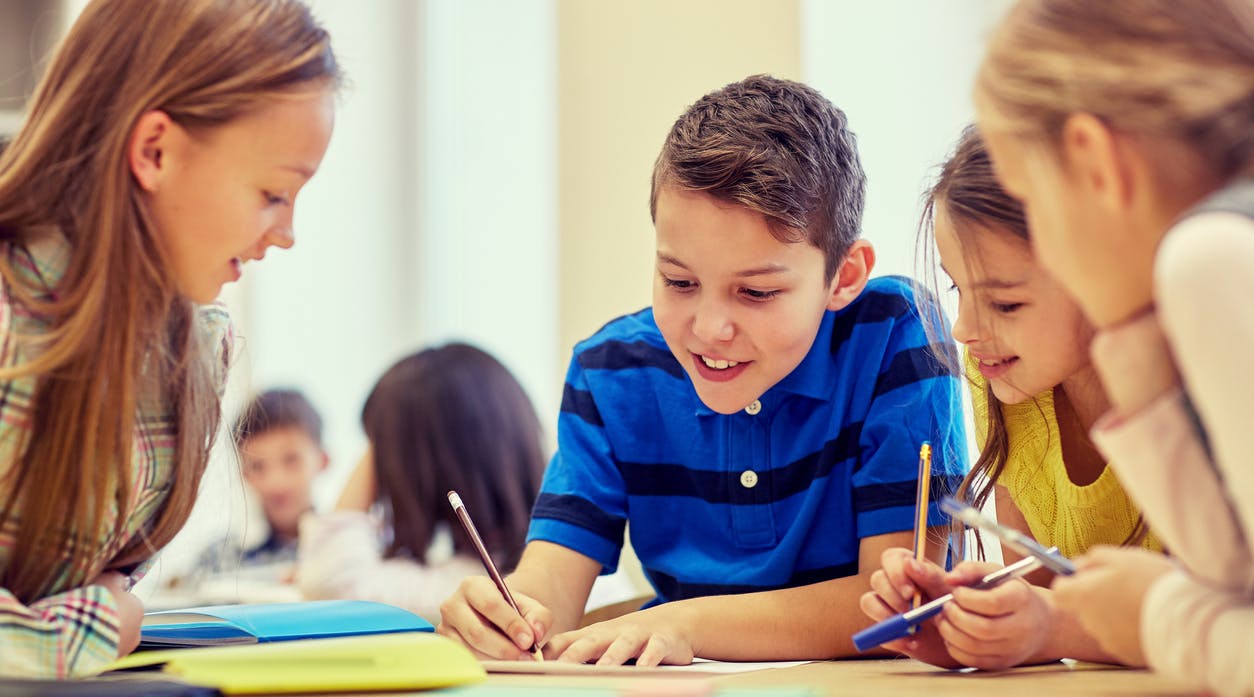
{"points": [[119, 336], [1182, 71]]}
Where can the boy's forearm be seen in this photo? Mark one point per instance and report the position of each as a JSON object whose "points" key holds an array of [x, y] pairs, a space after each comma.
{"points": [[809, 622]]}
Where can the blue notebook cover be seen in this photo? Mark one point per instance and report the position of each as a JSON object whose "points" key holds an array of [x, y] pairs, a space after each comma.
{"points": [[215, 625]]}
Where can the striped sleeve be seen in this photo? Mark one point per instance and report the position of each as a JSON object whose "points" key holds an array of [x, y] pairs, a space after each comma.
{"points": [[916, 399], [67, 635], [583, 501]]}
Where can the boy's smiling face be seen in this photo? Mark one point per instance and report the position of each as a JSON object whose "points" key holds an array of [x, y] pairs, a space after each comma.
{"points": [[738, 308]]}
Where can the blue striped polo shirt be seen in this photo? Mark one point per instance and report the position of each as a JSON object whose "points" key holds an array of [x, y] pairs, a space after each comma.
{"points": [[721, 504]]}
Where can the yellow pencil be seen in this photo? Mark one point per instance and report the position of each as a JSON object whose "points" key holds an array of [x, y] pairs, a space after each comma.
{"points": [[920, 508]]}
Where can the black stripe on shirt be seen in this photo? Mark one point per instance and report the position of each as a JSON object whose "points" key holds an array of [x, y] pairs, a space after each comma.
{"points": [[581, 404], [909, 366], [581, 512], [873, 308], [875, 497], [623, 355], [661, 479], [670, 588]]}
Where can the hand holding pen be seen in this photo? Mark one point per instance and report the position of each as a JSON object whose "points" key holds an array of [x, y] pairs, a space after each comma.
{"points": [[987, 623], [473, 533]]}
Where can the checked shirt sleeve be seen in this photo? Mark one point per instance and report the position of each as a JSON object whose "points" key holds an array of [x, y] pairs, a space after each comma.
{"points": [[67, 635]]}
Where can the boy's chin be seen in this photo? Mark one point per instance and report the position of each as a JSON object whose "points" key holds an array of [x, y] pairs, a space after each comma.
{"points": [[724, 403]]}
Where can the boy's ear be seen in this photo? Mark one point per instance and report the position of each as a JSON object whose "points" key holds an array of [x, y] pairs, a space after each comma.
{"points": [[1096, 161], [324, 460], [852, 275], [155, 133]]}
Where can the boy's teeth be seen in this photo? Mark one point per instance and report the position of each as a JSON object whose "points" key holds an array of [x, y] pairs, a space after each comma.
{"points": [[720, 364]]}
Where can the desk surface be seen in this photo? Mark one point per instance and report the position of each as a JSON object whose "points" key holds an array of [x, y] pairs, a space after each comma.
{"points": [[888, 677]]}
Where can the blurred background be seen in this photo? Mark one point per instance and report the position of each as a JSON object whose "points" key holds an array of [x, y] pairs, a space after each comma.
{"points": [[488, 178]]}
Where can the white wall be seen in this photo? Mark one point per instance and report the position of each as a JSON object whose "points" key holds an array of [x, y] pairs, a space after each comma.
{"points": [[902, 70], [432, 218]]}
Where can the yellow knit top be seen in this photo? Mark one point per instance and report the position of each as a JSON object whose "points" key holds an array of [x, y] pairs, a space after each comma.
{"points": [[1058, 512]]}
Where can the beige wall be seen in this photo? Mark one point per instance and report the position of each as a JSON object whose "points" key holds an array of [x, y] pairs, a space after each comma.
{"points": [[626, 71]]}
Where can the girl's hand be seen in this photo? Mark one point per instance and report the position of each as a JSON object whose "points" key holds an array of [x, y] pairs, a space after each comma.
{"points": [[997, 628], [1106, 594], [892, 591], [478, 616], [130, 609], [653, 637]]}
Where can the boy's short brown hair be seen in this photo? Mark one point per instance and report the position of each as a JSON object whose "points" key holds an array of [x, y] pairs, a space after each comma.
{"points": [[274, 409], [776, 147]]}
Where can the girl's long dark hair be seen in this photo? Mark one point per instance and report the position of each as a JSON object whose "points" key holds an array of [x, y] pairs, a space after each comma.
{"points": [[454, 418]]}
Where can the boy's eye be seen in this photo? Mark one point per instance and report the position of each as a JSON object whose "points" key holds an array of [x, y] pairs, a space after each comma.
{"points": [[273, 199], [1007, 308], [678, 284], [759, 295]]}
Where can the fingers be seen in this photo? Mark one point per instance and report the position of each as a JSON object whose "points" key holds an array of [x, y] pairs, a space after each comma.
{"points": [[609, 645], [969, 573], [479, 617], [993, 629], [1003, 599], [894, 597]]}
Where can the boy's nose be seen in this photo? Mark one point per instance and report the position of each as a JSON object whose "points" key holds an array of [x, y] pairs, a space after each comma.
{"points": [[712, 323]]}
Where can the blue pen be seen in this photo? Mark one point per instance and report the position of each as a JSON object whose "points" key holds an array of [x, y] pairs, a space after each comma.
{"points": [[898, 626]]}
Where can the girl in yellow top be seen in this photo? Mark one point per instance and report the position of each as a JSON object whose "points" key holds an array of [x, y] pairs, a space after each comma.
{"points": [[1025, 345]]}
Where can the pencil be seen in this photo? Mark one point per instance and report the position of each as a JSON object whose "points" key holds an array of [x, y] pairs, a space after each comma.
{"points": [[920, 508], [460, 510]]}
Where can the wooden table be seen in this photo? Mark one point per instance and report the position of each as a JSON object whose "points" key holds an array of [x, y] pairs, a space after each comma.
{"points": [[889, 677]]}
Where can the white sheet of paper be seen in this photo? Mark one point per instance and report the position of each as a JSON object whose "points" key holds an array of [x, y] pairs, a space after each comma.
{"points": [[698, 666]]}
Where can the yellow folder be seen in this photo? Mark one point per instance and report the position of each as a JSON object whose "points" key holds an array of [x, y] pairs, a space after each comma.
{"points": [[410, 660]]}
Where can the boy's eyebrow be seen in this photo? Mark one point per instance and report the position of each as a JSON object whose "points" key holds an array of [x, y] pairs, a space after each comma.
{"points": [[763, 270], [302, 171]]}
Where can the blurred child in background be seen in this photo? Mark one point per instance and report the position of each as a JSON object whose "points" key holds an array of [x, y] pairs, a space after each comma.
{"points": [[446, 418], [279, 438]]}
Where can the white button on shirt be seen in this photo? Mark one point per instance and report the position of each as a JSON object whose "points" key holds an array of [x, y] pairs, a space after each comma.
{"points": [[749, 478], [754, 407]]}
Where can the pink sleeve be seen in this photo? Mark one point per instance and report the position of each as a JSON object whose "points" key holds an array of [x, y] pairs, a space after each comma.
{"points": [[1163, 466], [1198, 634]]}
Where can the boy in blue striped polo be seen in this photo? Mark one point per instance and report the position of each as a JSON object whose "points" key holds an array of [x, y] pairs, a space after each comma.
{"points": [[758, 427]]}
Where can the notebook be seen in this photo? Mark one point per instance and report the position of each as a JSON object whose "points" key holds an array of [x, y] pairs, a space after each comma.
{"points": [[215, 625], [401, 661]]}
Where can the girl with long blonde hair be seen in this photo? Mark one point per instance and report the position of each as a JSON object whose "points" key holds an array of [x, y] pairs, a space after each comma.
{"points": [[164, 146], [1127, 130]]}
